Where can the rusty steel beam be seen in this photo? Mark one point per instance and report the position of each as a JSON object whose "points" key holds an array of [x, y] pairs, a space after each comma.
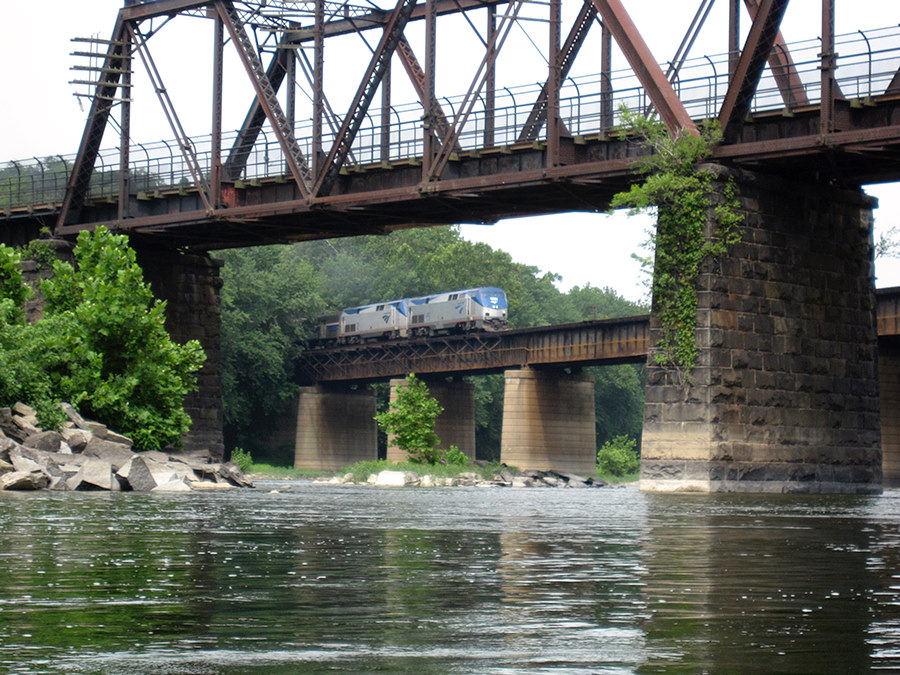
{"points": [[572, 45], [894, 85], [218, 74], [419, 80], [658, 88], [745, 80], [393, 30], [782, 65], [554, 81], [254, 120], [150, 10], [89, 148], [378, 18], [265, 94], [828, 66]]}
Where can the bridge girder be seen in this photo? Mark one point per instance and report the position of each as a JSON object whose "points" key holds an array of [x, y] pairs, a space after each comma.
{"points": [[338, 193]]}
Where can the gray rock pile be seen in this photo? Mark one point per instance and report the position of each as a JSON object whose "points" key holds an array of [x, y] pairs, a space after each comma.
{"points": [[85, 455], [504, 478]]}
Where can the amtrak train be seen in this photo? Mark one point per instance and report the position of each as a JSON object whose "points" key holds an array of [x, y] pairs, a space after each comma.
{"points": [[473, 309]]}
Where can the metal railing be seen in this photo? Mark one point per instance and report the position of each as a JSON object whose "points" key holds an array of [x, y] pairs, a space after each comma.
{"points": [[868, 62]]}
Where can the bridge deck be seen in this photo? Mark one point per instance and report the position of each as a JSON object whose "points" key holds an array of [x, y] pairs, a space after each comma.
{"points": [[517, 169], [597, 342]]}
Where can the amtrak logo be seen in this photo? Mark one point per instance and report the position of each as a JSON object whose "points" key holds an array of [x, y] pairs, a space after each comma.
{"points": [[385, 317], [494, 300], [459, 309]]}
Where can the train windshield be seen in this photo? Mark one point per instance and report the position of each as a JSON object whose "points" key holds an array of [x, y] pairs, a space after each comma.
{"points": [[492, 298]]}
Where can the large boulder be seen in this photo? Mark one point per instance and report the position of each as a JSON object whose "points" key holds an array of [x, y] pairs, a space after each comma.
{"points": [[48, 441], [116, 454], [138, 475], [6, 444], [173, 485], [24, 480], [388, 478], [77, 439], [22, 462], [232, 473], [94, 474]]}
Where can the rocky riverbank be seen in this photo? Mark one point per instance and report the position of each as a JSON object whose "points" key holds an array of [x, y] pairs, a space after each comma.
{"points": [[85, 455], [503, 478]]}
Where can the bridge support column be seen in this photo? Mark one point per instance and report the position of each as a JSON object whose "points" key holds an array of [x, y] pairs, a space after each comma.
{"points": [[785, 393], [549, 421], [454, 426], [335, 428], [190, 286], [889, 384]]}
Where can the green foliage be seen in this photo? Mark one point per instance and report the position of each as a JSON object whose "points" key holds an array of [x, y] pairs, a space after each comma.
{"points": [[12, 286], [411, 419], [41, 252], [681, 192], [454, 456], [266, 297], [618, 457], [102, 345], [119, 365], [243, 459]]}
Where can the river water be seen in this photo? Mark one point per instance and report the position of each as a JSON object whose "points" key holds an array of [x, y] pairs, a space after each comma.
{"points": [[354, 579]]}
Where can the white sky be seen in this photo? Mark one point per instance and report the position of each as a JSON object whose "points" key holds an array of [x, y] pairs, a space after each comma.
{"points": [[41, 117]]}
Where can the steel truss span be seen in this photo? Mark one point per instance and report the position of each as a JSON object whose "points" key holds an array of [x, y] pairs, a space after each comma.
{"points": [[329, 151]]}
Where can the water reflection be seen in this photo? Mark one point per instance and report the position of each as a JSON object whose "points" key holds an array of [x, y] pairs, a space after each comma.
{"points": [[352, 579], [783, 583]]}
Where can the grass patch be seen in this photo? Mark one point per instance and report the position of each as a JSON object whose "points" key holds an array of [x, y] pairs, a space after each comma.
{"points": [[261, 470], [613, 479]]}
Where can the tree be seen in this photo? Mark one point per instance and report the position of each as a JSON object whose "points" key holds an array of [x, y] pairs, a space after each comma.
{"points": [[411, 419], [269, 299], [109, 353]]}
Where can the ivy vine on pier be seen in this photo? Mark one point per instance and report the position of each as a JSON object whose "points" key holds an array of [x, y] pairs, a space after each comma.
{"points": [[681, 189]]}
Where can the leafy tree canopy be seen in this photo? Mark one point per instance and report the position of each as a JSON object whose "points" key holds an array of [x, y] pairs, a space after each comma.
{"points": [[102, 345]]}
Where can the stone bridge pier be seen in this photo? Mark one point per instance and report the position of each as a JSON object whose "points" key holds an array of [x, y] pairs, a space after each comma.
{"points": [[334, 427], [785, 395], [190, 286], [549, 421]]}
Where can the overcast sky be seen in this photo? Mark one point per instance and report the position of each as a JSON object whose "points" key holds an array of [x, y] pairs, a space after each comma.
{"points": [[41, 117]]}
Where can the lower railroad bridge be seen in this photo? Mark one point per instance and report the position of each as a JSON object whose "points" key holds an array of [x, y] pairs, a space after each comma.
{"points": [[549, 413]]}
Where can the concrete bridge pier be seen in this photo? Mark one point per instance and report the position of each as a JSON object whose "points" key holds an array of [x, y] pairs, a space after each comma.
{"points": [[454, 426], [549, 421], [335, 427], [785, 394]]}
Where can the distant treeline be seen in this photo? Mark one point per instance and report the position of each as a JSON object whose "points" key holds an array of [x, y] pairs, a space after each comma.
{"points": [[272, 296]]}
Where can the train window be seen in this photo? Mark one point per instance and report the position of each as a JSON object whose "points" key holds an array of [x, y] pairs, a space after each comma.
{"points": [[454, 296], [379, 308]]}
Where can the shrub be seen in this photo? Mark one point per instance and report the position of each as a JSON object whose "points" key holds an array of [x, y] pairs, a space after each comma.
{"points": [[411, 421], [242, 458], [618, 456], [454, 456]]}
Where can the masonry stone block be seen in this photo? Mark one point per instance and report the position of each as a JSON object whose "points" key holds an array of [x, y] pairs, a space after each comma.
{"points": [[190, 283], [786, 326]]}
